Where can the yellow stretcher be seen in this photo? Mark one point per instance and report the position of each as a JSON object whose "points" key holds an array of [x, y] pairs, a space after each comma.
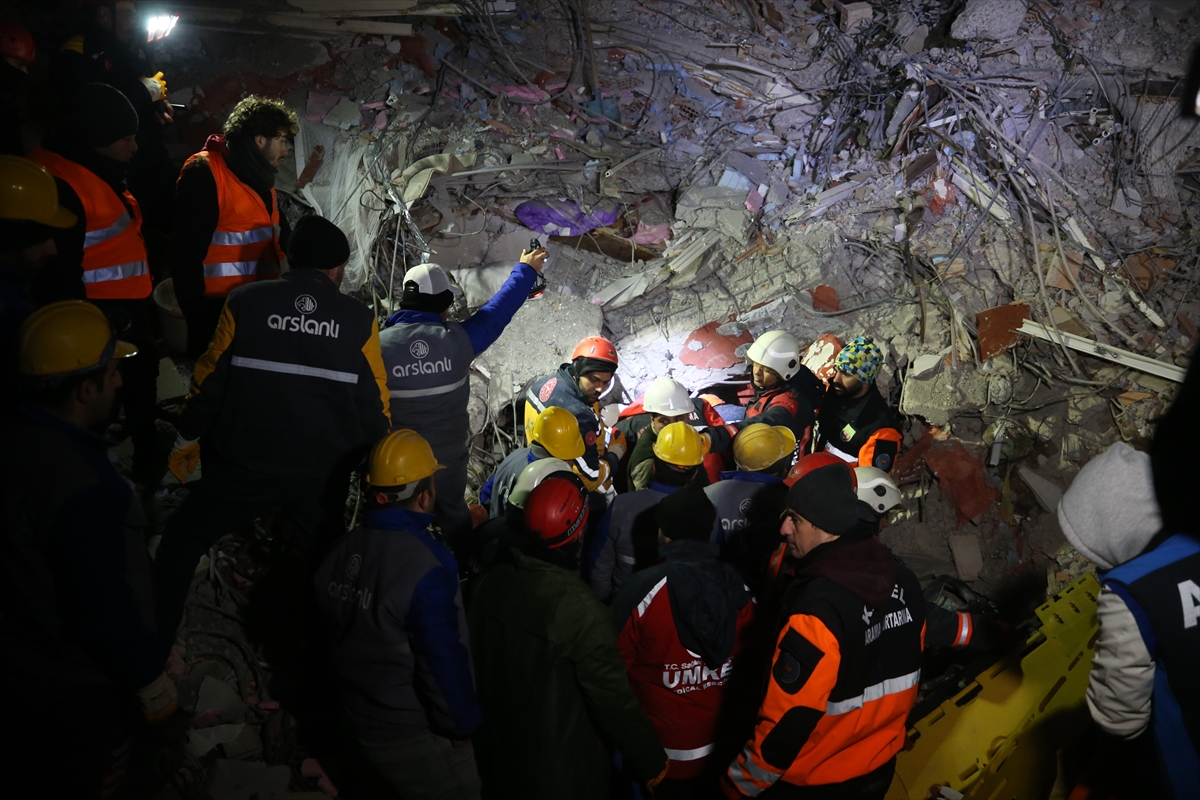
{"points": [[999, 738]]}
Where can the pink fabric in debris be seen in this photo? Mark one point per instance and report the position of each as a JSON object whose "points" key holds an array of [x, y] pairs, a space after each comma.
{"points": [[523, 92], [651, 234]]}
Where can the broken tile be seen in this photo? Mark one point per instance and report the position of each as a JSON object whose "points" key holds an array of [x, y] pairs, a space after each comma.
{"points": [[821, 355], [998, 328], [707, 349], [968, 559]]}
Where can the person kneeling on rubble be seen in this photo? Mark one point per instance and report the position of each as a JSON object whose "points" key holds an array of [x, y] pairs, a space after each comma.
{"points": [[627, 538], [428, 361], [666, 401], [389, 594], [785, 391], [78, 650], [286, 402], [1144, 673], [855, 422], [555, 694], [577, 387], [845, 669], [553, 434]]}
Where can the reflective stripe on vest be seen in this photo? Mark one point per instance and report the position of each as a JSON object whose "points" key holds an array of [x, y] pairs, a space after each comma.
{"points": [[117, 273], [114, 254], [294, 369], [689, 755], [875, 692], [434, 390], [245, 244], [842, 454]]}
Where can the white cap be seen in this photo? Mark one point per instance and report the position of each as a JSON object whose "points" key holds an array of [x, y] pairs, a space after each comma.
{"points": [[430, 279]]}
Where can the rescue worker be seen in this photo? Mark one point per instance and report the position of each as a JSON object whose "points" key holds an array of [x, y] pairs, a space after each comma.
{"points": [[78, 651], [847, 661], [428, 362], [855, 422], [107, 49], [626, 538], [750, 499], [29, 216], [556, 698], [227, 230], [554, 433], [877, 489], [285, 403], [666, 401], [785, 391], [388, 593], [506, 530], [103, 256], [681, 626], [577, 387], [1143, 673], [18, 52]]}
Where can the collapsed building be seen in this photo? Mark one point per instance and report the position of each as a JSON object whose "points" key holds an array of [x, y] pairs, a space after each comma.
{"points": [[1000, 193]]}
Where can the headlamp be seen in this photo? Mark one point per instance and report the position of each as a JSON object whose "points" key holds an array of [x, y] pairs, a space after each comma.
{"points": [[160, 26]]}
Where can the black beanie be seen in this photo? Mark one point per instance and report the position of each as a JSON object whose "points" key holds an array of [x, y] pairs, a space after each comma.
{"points": [[317, 243], [687, 514], [585, 364], [826, 498], [413, 299], [101, 116]]}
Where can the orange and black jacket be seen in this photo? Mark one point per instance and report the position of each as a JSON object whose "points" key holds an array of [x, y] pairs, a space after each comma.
{"points": [[844, 673], [293, 382], [863, 432], [792, 404]]}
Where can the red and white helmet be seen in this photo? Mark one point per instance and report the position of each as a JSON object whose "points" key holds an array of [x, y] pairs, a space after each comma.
{"points": [[556, 513], [877, 489], [16, 42]]}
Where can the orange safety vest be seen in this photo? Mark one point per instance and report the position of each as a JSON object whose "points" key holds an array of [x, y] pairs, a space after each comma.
{"points": [[114, 254], [245, 245]]}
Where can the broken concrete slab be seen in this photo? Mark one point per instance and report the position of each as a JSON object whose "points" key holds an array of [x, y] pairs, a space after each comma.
{"points": [[1127, 202], [854, 16], [968, 558], [1048, 495], [707, 349], [940, 394], [994, 20], [344, 115], [717, 208]]}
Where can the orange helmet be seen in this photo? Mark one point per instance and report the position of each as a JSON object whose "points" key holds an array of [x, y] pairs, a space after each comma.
{"points": [[598, 348], [813, 462]]}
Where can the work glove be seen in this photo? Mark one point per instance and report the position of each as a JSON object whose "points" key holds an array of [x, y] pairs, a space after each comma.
{"points": [[618, 445], [156, 85], [159, 699], [184, 458]]}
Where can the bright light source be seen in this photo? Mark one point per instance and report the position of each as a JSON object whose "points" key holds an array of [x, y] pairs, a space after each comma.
{"points": [[160, 26]]}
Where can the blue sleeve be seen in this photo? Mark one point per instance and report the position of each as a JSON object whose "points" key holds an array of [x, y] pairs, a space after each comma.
{"points": [[442, 677], [102, 612], [485, 492], [485, 325]]}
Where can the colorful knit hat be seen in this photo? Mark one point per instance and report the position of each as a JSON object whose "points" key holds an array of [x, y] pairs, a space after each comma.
{"points": [[860, 359]]}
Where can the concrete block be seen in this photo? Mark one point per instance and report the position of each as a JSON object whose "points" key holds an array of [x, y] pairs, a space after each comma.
{"points": [[968, 559], [994, 20], [853, 16]]}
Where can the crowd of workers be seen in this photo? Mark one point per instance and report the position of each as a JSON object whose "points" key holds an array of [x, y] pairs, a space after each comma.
{"points": [[580, 632]]}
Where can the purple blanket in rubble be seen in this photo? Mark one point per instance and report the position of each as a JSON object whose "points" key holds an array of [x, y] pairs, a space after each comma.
{"points": [[566, 218]]}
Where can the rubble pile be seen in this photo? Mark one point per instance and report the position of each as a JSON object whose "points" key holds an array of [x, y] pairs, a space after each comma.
{"points": [[1001, 191]]}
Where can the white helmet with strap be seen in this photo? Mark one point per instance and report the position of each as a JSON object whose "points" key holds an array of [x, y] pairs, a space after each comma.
{"points": [[776, 350]]}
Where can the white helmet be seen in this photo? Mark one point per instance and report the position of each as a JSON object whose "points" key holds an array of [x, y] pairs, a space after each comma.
{"points": [[877, 489], [777, 350], [532, 476], [668, 397]]}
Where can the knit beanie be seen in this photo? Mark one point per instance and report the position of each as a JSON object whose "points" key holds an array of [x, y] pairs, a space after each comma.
{"points": [[860, 359], [317, 243], [1109, 513], [101, 116], [585, 364], [686, 514], [826, 498]]}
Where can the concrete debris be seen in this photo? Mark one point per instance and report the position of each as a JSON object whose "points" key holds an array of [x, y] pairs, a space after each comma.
{"points": [[854, 16], [968, 559], [993, 20], [237, 780], [1048, 495], [1127, 202]]}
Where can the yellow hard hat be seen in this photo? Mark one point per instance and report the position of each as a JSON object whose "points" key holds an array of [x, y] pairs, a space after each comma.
{"points": [[28, 191], [402, 457], [557, 430], [68, 337], [681, 444], [758, 446]]}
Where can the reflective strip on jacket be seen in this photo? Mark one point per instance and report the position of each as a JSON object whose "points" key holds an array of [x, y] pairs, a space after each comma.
{"points": [[245, 245], [864, 433], [114, 254]]}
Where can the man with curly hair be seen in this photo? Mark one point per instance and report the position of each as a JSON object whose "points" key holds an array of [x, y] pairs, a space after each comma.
{"points": [[228, 230]]}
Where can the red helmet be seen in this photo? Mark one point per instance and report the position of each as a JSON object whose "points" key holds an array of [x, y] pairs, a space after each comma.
{"points": [[814, 462], [596, 347], [556, 512], [15, 41]]}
